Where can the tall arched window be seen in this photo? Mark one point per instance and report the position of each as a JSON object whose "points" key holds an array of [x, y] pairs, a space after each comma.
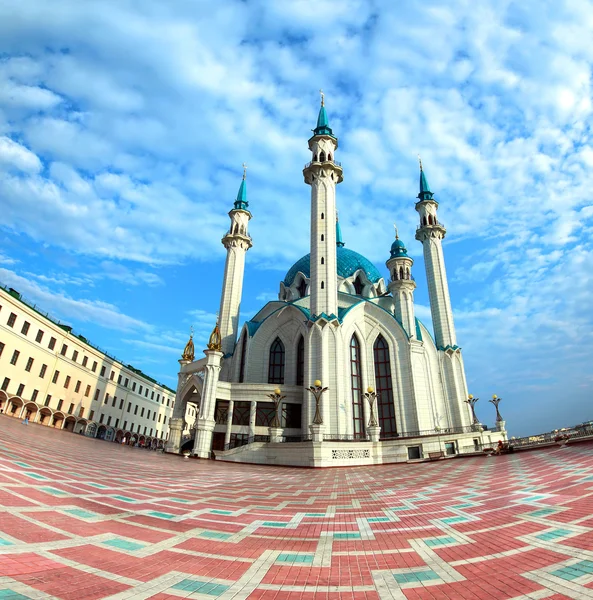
{"points": [[276, 366], [356, 381], [358, 286], [385, 406], [300, 366], [302, 288], [242, 366]]}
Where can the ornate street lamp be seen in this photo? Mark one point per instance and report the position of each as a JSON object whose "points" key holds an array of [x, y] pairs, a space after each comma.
{"points": [[371, 396], [317, 390], [276, 397], [496, 401], [472, 402]]}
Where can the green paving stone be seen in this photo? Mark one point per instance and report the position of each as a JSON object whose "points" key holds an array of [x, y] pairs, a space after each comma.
{"points": [[203, 587], [221, 512], [5, 543], [416, 577], [295, 558], [25, 466], [552, 535], [161, 515], [378, 519], [6, 594], [179, 500], [274, 524], [36, 476], [78, 512], [53, 491], [449, 520], [314, 514], [585, 565], [440, 541], [215, 535], [542, 512], [124, 498], [467, 505], [567, 573], [98, 485], [346, 536], [124, 544]]}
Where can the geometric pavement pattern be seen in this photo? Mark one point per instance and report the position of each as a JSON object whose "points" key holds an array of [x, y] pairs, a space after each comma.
{"points": [[85, 519]]}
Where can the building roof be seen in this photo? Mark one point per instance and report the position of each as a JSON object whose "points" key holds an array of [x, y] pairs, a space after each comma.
{"points": [[348, 263]]}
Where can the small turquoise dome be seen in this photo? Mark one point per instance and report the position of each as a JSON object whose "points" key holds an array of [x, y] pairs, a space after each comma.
{"points": [[398, 248], [348, 263]]}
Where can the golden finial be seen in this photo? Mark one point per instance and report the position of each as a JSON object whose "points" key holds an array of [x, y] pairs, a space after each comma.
{"points": [[244, 171], [322, 97], [337, 219], [215, 341], [189, 351], [395, 227], [420, 161]]}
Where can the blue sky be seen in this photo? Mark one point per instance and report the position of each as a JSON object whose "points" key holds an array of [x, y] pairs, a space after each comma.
{"points": [[123, 126]]}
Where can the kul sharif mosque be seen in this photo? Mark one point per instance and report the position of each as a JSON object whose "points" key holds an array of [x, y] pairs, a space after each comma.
{"points": [[338, 370]]}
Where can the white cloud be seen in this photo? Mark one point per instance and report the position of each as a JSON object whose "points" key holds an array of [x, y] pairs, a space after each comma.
{"points": [[16, 156]]}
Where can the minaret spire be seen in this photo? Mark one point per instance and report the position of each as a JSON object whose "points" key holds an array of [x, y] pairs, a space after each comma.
{"points": [[402, 285], [431, 234], [237, 241], [323, 174]]}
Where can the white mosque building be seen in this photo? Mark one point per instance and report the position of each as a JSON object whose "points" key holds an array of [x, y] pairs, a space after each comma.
{"points": [[338, 370]]}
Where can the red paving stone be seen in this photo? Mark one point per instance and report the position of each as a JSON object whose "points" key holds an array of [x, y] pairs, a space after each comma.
{"points": [[124, 522]]}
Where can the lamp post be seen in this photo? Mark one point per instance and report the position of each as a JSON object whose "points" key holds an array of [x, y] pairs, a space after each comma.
{"points": [[500, 422], [373, 428], [316, 427], [476, 425], [275, 428]]}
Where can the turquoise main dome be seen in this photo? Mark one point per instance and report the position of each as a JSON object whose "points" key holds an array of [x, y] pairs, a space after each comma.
{"points": [[348, 263]]}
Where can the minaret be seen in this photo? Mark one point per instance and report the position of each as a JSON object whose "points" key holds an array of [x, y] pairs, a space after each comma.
{"points": [[431, 234], [323, 174], [402, 285], [237, 241]]}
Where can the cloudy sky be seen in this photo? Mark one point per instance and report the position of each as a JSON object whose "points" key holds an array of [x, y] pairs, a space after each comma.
{"points": [[123, 126]]}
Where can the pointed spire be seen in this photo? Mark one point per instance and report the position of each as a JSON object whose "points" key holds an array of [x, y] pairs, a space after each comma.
{"points": [[339, 240], [323, 127], [189, 351], [241, 201], [425, 193], [215, 341]]}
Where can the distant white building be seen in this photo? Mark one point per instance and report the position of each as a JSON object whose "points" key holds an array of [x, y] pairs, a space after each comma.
{"points": [[339, 323], [52, 376]]}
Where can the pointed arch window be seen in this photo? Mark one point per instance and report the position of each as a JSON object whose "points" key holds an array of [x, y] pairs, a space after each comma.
{"points": [[300, 366], [242, 365], [384, 387], [356, 383], [276, 365], [302, 288], [358, 286]]}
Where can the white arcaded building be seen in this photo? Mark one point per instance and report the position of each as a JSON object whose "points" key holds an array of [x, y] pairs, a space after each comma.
{"points": [[337, 324], [54, 377]]}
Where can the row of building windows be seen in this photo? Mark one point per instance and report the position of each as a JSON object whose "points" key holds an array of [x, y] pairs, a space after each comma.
{"points": [[52, 344]]}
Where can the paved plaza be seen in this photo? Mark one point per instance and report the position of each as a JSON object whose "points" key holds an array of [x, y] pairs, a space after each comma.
{"points": [[81, 518]]}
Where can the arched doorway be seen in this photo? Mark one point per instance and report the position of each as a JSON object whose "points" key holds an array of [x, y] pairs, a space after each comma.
{"points": [[44, 416], [110, 434], [14, 406], [91, 429], [70, 423], [3, 400], [141, 441], [101, 432], [127, 438], [80, 426], [58, 420], [119, 435], [133, 440], [30, 411]]}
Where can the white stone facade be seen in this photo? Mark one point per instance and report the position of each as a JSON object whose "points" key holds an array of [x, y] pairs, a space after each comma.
{"points": [[54, 377], [335, 321]]}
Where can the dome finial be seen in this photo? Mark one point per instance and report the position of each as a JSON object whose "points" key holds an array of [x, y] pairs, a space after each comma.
{"points": [[425, 193], [189, 351], [215, 341], [396, 235], [323, 127], [420, 161], [244, 171], [322, 97]]}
